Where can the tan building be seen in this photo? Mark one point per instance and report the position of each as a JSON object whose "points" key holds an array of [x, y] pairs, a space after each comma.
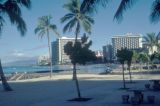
{"points": [[129, 41]]}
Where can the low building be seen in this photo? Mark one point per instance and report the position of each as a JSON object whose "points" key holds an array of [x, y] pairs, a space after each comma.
{"points": [[43, 60]]}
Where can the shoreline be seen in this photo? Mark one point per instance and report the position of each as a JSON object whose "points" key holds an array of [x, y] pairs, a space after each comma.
{"points": [[83, 75]]}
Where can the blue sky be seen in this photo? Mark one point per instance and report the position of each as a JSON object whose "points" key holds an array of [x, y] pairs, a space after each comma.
{"points": [[14, 47]]}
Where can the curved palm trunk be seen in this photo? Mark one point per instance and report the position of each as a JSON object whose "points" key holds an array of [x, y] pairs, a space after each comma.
{"points": [[76, 81], [124, 84], [50, 56], [6, 86]]}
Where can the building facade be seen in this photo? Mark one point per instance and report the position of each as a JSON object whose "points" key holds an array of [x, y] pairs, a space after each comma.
{"points": [[43, 60], [129, 41], [107, 53], [58, 55]]}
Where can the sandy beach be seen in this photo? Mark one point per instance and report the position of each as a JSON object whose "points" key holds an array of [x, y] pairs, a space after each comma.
{"points": [[103, 89]]}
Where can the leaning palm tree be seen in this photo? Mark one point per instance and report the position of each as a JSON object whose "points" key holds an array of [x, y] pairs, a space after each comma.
{"points": [[76, 18], [43, 28], [151, 40], [11, 9]]}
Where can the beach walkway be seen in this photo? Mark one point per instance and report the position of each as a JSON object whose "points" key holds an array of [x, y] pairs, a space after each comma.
{"points": [[103, 89]]}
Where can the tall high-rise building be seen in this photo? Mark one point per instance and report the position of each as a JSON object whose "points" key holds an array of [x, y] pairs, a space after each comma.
{"points": [[129, 41], [58, 55], [107, 53]]}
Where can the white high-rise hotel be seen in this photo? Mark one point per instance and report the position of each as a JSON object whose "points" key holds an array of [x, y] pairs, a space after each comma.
{"points": [[58, 55], [130, 41]]}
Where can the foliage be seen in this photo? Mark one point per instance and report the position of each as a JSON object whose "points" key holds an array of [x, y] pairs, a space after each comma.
{"points": [[11, 8], [44, 26], [143, 57], [80, 52], [121, 55], [91, 7], [151, 40], [155, 55], [129, 55], [76, 18], [135, 56]]}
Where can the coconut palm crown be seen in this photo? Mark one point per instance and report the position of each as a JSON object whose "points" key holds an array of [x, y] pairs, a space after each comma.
{"points": [[76, 18], [151, 40]]}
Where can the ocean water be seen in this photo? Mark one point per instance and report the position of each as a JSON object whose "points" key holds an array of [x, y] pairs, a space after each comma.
{"points": [[96, 68]]}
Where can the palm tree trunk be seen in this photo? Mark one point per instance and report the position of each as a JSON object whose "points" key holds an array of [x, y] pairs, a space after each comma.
{"points": [[124, 84], [6, 86], [76, 81], [76, 33], [50, 56], [130, 76]]}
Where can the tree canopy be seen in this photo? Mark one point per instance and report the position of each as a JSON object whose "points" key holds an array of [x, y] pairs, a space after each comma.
{"points": [[80, 52]]}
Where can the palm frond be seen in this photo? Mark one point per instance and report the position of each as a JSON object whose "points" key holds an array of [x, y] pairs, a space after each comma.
{"points": [[12, 7], [38, 29], [2, 21], [53, 27], [26, 3], [89, 6], [89, 19], [67, 17], [86, 26], [18, 21], [73, 6], [68, 27], [155, 12], [124, 5], [41, 34]]}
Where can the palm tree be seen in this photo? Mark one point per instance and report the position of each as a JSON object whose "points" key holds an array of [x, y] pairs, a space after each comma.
{"points": [[151, 40], [11, 9], [43, 28], [76, 18]]}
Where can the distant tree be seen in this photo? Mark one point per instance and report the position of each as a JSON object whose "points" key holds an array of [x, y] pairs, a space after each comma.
{"points": [[143, 57], [76, 19], [135, 56], [43, 28], [129, 55], [151, 40], [79, 53], [11, 9], [121, 56]]}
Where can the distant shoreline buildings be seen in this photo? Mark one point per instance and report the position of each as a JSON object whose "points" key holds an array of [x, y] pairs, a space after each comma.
{"points": [[128, 40]]}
